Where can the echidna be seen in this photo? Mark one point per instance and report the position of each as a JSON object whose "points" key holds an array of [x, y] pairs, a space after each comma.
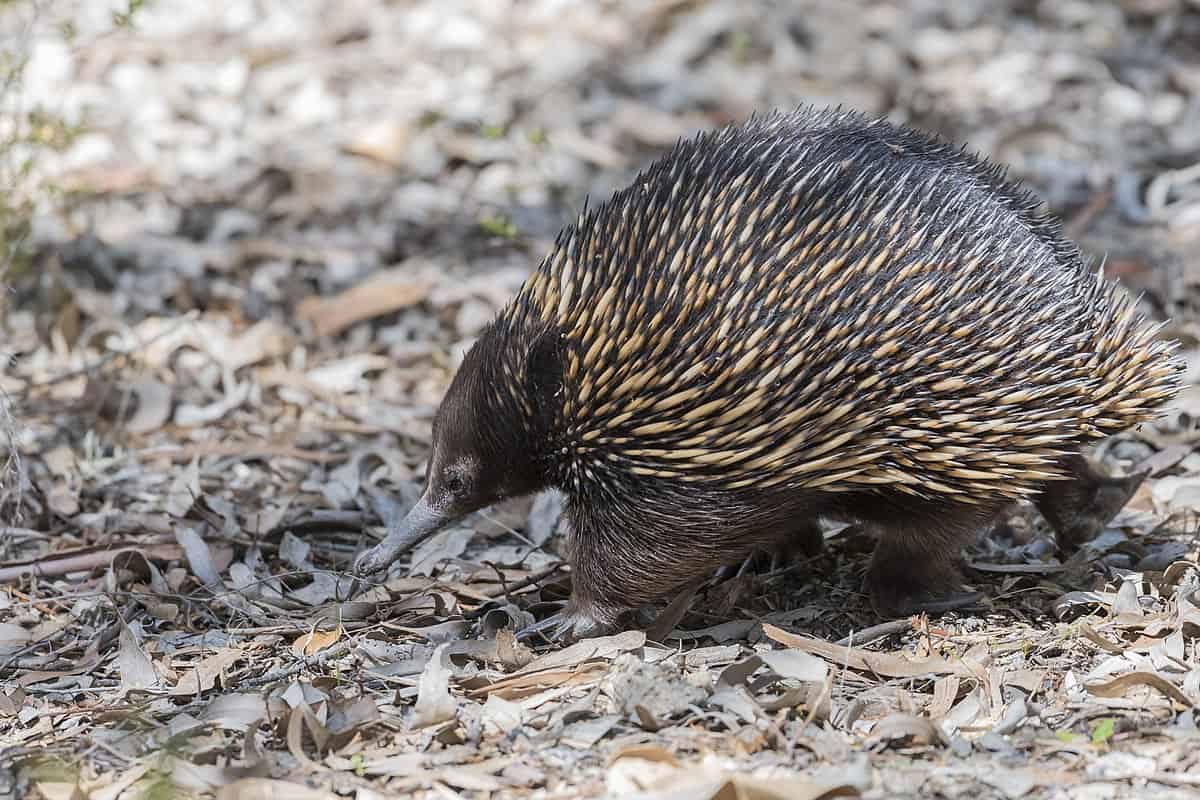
{"points": [[814, 314]]}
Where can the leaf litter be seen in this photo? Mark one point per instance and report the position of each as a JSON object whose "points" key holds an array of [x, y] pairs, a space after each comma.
{"points": [[225, 388]]}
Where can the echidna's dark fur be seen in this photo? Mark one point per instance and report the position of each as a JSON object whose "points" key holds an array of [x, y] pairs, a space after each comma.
{"points": [[811, 314]]}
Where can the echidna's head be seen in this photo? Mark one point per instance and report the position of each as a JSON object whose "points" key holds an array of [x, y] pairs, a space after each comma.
{"points": [[492, 435]]}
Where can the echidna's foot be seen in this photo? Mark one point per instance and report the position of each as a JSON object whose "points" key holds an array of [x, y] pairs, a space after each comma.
{"points": [[761, 561], [1078, 508], [569, 625], [911, 575], [810, 539], [371, 561], [891, 604]]}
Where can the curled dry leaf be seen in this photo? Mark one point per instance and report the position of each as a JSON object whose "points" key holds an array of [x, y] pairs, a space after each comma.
{"points": [[889, 665], [906, 729], [185, 490], [235, 712], [434, 702], [153, 410], [1120, 685], [135, 668], [315, 641], [236, 394]]}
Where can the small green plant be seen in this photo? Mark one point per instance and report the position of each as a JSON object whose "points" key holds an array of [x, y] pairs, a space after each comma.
{"points": [[1103, 731], [1067, 737], [498, 225], [27, 133], [491, 131]]}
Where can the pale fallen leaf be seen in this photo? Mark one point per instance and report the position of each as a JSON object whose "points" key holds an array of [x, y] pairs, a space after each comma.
{"points": [[600, 647], [385, 141], [119, 783], [1120, 685], [153, 406], [184, 491], [316, 641], [268, 789], [384, 292], [12, 638], [945, 692], [199, 558], [888, 665], [442, 546], [235, 711], [434, 702], [203, 676], [640, 778], [347, 375], [136, 670], [503, 715], [188, 415], [796, 664], [906, 729]]}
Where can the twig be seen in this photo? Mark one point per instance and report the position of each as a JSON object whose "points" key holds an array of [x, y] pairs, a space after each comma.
{"points": [[84, 562], [532, 580], [868, 635], [1083, 218], [315, 660]]}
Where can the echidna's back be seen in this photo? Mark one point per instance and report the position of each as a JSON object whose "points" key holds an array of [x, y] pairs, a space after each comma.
{"points": [[816, 299]]}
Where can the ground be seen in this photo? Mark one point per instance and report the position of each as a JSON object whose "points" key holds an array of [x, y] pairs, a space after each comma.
{"points": [[272, 233]]}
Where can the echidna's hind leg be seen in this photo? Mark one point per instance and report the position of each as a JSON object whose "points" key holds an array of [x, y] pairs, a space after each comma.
{"points": [[807, 540], [1079, 507], [915, 567]]}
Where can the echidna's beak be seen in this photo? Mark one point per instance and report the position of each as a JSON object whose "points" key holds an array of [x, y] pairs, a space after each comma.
{"points": [[421, 522]]}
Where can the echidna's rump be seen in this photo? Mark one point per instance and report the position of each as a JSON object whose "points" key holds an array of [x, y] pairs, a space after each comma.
{"points": [[819, 300], [814, 314]]}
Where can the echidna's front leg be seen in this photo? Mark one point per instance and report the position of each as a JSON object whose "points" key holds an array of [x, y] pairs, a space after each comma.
{"points": [[915, 567], [1078, 508]]}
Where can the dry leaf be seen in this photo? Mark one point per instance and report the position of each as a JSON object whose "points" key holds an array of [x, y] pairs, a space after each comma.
{"points": [[203, 676], [316, 641], [907, 729], [639, 778], [185, 490], [888, 665], [267, 789], [796, 664], [234, 711], [1118, 686], [136, 670], [153, 406], [434, 702], [384, 292]]}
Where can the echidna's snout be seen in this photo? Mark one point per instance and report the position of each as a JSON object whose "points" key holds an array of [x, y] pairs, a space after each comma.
{"points": [[421, 522]]}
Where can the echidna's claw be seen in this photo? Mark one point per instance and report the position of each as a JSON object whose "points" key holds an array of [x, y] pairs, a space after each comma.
{"points": [[924, 603], [551, 623], [566, 626]]}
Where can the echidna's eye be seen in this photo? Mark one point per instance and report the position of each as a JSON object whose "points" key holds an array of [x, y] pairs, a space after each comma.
{"points": [[453, 483]]}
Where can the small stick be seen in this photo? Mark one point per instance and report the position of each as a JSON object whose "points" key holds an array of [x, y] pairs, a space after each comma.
{"points": [[316, 659], [532, 580], [867, 635]]}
